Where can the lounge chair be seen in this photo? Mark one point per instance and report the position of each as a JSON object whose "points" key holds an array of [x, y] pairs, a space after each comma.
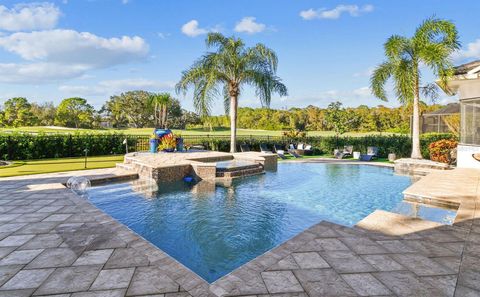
{"points": [[244, 148], [280, 151], [372, 153], [264, 148], [303, 149], [308, 150], [347, 152], [292, 151]]}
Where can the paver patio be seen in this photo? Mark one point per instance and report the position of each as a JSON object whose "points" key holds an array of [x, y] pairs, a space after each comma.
{"points": [[55, 243]]}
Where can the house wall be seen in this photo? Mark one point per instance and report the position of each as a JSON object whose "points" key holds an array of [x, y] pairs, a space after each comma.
{"points": [[466, 89]]}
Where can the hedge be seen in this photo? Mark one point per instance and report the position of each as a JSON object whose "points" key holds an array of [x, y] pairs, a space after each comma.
{"points": [[28, 146], [24, 146]]}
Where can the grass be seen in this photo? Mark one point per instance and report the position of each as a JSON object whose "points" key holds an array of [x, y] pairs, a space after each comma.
{"points": [[148, 131], [19, 168], [58, 165]]}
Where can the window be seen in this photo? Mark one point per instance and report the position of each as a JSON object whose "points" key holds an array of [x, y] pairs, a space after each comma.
{"points": [[470, 117]]}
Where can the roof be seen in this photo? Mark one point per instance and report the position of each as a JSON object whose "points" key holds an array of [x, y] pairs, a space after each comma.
{"points": [[465, 68], [451, 108]]}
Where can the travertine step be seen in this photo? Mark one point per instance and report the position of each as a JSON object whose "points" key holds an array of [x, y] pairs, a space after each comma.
{"points": [[241, 172], [124, 166]]}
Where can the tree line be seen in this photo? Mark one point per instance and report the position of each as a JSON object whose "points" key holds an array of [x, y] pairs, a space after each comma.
{"points": [[136, 109], [335, 117], [143, 109]]}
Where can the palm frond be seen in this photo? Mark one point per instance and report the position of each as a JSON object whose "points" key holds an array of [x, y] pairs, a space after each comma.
{"points": [[379, 78]]}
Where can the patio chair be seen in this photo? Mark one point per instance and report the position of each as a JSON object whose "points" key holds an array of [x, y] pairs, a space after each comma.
{"points": [[346, 152], [244, 148], [372, 153], [294, 153], [308, 150], [279, 151], [264, 148]]}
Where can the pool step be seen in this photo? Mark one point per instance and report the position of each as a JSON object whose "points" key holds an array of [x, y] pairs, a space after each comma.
{"points": [[240, 171], [124, 166]]}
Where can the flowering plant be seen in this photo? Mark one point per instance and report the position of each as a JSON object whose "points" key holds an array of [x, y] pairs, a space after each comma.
{"points": [[168, 142], [440, 150]]}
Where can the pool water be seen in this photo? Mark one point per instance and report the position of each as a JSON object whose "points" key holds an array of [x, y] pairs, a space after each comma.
{"points": [[213, 230]]}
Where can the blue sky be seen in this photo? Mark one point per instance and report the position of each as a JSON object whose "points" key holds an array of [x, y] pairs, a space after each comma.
{"points": [[95, 49]]}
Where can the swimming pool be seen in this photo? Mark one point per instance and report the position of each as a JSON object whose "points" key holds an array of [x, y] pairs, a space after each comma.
{"points": [[213, 230]]}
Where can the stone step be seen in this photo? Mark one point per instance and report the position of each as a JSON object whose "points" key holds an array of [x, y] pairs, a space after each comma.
{"points": [[241, 172], [124, 166]]}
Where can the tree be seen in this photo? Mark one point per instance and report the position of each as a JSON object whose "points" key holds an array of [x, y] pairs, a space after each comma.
{"points": [[75, 112], [232, 66], [17, 112], [129, 108], [431, 45], [44, 113], [159, 103], [336, 117]]}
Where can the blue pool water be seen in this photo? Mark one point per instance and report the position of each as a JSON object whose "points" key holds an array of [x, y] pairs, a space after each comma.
{"points": [[213, 230]]}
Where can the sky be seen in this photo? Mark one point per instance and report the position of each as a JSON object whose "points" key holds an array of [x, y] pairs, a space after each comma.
{"points": [[98, 48]]}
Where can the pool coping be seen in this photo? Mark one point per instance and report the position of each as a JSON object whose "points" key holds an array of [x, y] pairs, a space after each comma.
{"points": [[228, 284]]}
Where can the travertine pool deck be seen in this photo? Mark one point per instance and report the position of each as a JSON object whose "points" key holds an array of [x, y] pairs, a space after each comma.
{"points": [[55, 243]]}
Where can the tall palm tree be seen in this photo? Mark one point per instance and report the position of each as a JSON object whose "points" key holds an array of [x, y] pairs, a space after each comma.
{"points": [[431, 46], [159, 102], [230, 67]]}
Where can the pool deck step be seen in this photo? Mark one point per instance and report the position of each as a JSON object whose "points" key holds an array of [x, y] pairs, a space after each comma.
{"points": [[241, 172], [124, 166]]}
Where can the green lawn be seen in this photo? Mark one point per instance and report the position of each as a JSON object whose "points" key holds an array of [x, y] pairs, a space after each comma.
{"points": [[69, 164], [58, 165], [148, 131]]}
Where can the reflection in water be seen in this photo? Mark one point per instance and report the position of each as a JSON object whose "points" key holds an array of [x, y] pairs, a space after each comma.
{"points": [[426, 212], [215, 229]]}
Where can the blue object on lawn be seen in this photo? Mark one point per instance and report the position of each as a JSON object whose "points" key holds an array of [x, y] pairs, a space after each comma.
{"points": [[153, 145]]}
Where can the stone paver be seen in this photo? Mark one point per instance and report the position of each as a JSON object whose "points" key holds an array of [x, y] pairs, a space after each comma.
{"points": [[54, 257], [113, 279], [93, 257], [69, 279], [27, 279], [54, 243], [365, 284], [281, 282]]}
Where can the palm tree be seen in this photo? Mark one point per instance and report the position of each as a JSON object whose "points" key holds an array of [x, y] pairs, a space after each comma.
{"points": [[431, 46], [230, 67], [159, 102]]}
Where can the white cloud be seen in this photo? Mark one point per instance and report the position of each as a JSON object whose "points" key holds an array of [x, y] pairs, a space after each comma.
{"points": [[192, 29], [363, 92], [111, 87], [32, 73], [472, 51], [162, 35], [34, 16], [249, 25], [74, 47], [335, 13], [61, 54]]}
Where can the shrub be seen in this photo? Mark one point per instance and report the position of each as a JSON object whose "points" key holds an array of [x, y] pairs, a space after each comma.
{"points": [[440, 150], [22, 146]]}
